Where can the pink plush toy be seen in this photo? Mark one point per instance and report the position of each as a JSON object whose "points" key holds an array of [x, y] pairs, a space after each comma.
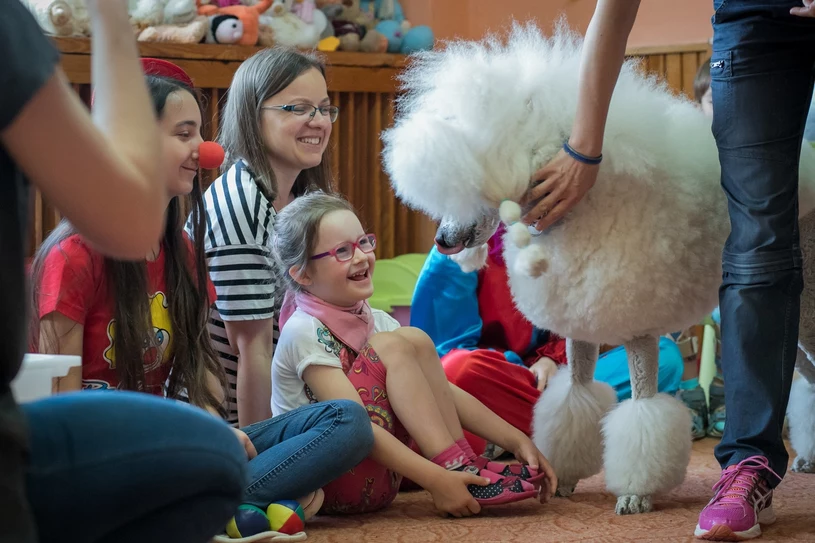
{"points": [[305, 10]]}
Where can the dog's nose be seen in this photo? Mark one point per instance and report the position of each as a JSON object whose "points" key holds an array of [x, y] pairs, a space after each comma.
{"points": [[442, 243]]}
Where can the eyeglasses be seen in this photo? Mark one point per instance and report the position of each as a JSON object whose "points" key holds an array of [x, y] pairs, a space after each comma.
{"points": [[332, 112], [345, 251]]}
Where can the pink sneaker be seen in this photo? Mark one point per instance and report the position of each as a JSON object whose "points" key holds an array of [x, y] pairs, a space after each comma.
{"points": [[743, 500]]}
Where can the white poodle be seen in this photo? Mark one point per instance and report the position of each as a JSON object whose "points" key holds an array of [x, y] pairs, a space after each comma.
{"points": [[639, 257]]}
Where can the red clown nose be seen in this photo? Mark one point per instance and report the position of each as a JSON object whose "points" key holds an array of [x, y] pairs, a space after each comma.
{"points": [[210, 155]]}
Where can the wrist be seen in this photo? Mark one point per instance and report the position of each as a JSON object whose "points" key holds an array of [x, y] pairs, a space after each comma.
{"points": [[587, 146], [590, 160]]}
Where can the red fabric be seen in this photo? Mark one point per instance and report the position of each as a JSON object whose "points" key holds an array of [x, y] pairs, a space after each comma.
{"points": [[74, 284], [504, 328], [369, 486], [508, 390]]}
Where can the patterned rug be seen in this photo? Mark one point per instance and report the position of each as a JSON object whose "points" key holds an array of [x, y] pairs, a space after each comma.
{"points": [[587, 516]]}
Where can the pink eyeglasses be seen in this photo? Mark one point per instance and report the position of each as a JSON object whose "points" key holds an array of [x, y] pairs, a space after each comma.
{"points": [[345, 251]]}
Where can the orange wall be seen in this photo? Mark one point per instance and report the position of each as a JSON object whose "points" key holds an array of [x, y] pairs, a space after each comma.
{"points": [[659, 22]]}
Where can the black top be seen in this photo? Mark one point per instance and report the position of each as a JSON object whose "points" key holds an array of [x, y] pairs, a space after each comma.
{"points": [[27, 60]]}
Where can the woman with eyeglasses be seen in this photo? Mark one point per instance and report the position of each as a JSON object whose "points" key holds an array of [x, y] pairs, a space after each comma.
{"points": [[275, 128]]}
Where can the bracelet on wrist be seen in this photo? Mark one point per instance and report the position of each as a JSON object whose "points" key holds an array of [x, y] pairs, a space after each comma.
{"points": [[580, 157]]}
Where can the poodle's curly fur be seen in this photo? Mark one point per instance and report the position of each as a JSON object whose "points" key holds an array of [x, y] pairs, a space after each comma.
{"points": [[638, 257]]}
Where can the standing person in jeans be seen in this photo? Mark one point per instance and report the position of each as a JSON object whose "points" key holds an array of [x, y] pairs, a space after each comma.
{"points": [[107, 467], [761, 79]]}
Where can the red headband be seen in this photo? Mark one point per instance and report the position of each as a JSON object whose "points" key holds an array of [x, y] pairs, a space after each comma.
{"points": [[165, 68], [162, 68]]}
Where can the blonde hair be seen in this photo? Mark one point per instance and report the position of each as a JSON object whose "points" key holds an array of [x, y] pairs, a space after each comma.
{"points": [[296, 230], [258, 78]]}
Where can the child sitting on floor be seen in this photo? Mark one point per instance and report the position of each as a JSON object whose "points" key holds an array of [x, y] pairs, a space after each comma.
{"points": [[333, 345]]}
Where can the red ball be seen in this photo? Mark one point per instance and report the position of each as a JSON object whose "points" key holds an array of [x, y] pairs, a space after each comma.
{"points": [[210, 155]]}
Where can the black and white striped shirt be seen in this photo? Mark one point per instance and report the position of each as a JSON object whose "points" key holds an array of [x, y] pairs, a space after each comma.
{"points": [[238, 246]]}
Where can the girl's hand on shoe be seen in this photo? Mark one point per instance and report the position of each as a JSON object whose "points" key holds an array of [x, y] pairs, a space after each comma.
{"points": [[450, 493], [527, 453], [543, 370], [251, 452], [563, 183]]}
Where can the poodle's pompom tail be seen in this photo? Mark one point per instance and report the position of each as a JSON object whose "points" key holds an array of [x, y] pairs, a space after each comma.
{"points": [[531, 260]]}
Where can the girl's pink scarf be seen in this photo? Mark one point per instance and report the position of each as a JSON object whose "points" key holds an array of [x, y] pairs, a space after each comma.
{"points": [[353, 326]]}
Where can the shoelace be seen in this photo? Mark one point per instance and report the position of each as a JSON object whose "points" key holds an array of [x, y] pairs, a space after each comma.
{"points": [[738, 482]]}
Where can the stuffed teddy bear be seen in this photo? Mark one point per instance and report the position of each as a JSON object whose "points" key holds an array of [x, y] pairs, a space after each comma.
{"points": [[249, 15], [64, 18], [355, 28]]}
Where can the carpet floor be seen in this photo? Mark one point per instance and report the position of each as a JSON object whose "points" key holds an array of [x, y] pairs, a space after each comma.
{"points": [[587, 516]]}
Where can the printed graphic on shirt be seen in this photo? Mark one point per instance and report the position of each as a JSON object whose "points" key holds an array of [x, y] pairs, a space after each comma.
{"points": [[96, 384], [325, 338], [156, 352]]}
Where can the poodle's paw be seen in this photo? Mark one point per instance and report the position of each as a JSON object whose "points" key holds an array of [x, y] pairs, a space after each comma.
{"points": [[803, 465], [565, 490], [631, 505]]}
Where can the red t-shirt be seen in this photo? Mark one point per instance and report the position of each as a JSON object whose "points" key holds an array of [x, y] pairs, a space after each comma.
{"points": [[74, 284]]}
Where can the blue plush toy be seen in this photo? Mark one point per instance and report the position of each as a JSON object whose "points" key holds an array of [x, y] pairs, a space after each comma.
{"points": [[393, 25]]}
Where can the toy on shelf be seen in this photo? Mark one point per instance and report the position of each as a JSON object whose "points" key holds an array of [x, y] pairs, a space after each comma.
{"points": [[354, 28], [224, 29], [64, 18], [250, 19], [402, 36], [290, 30], [168, 21]]}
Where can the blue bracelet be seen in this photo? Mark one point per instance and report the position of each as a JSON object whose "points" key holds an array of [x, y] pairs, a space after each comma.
{"points": [[581, 157]]}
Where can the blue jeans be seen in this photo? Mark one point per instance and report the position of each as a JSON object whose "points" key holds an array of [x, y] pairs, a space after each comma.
{"points": [[124, 467], [305, 449], [761, 82]]}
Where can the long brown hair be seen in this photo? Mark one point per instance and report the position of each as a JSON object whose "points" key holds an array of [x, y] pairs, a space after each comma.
{"points": [[194, 357], [257, 79]]}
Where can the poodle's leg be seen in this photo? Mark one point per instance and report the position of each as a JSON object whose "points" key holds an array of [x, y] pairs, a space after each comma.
{"points": [[801, 413], [647, 437], [566, 425]]}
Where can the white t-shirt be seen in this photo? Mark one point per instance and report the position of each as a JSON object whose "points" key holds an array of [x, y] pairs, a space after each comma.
{"points": [[304, 342]]}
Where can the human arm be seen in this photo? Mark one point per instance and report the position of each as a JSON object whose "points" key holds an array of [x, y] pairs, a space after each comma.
{"points": [[807, 10], [61, 335], [564, 180], [254, 345], [476, 418], [448, 488], [102, 174]]}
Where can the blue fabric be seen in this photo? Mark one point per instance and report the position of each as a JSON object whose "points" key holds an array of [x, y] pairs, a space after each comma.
{"points": [[305, 449], [612, 368], [126, 467], [761, 81], [445, 304]]}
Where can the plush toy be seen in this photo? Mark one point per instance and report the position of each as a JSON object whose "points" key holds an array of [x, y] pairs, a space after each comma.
{"points": [[291, 30], [65, 18], [219, 3], [304, 9], [249, 17], [168, 21], [355, 29], [149, 13], [224, 29], [402, 37]]}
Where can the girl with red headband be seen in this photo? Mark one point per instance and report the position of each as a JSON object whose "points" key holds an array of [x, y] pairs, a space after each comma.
{"points": [[142, 325]]}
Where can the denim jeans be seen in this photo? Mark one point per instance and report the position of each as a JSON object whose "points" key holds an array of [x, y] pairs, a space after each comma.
{"points": [[761, 82], [124, 467], [305, 449]]}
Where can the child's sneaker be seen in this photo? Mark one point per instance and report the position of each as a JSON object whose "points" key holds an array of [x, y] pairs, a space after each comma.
{"points": [[521, 471], [694, 399], [716, 419], [742, 502], [500, 489]]}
